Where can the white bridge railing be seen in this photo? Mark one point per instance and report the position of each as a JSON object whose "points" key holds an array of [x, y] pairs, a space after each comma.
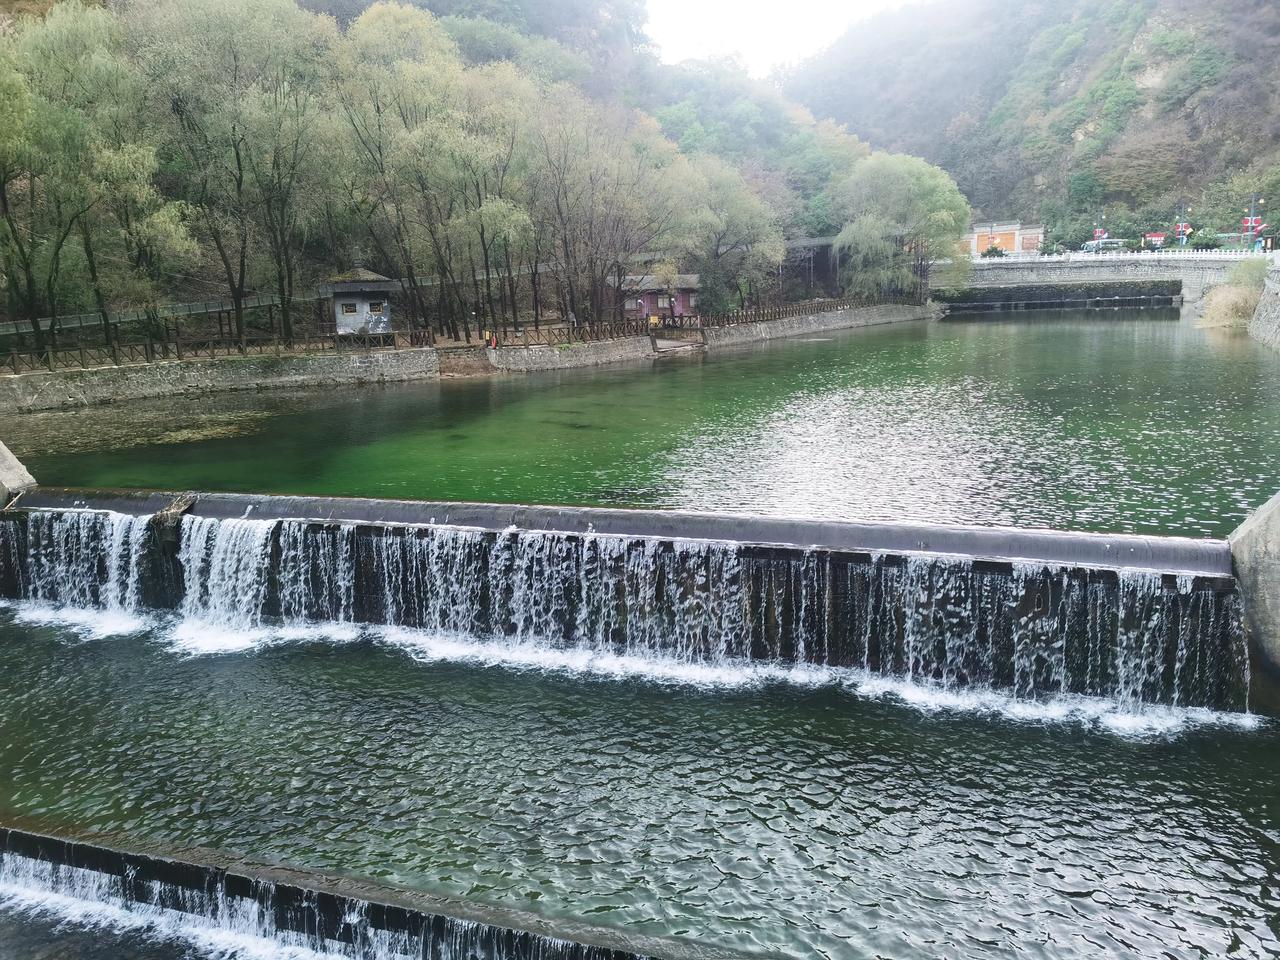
{"points": [[1114, 256]]}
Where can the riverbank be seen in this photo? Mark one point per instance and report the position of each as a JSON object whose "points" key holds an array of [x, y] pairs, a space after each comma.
{"points": [[62, 389]]}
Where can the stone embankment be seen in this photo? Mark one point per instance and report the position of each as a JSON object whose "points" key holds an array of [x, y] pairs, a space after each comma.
{"points": [[28, 392], [813, 323], [1265, 325], [51, 390], [565, 356]]}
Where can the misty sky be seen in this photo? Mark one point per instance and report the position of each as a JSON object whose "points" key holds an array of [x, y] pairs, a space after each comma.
{"points": [[764, 33]]}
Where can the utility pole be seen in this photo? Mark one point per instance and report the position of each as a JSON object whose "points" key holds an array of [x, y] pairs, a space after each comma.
{"points": [[1253, 226], [1182, 223]]}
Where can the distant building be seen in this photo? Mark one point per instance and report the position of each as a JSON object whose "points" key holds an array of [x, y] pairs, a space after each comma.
{"points": [[361, 301], [1010, 236], [647, 296]]}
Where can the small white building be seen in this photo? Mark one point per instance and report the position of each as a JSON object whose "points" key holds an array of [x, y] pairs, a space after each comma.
{"points": [[361, 301]]}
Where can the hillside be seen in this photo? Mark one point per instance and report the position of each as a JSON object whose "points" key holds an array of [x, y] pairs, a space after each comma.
{"points": [[1046, 109]]}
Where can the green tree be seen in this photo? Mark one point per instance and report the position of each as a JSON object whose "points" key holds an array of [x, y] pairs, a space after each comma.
{"points": [[739, 239], [893, 205], [243, 84]]}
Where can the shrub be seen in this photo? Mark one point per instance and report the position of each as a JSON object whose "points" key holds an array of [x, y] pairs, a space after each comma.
{"points": [[992, 252], [1230, 306], [1234, 303]]}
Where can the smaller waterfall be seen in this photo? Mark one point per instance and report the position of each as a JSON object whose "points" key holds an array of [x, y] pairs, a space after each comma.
{"points": [[224, 568], [213, 907], [83, 558]]}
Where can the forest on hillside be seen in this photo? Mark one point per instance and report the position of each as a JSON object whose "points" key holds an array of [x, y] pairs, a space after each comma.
{"points": [[1065, 111], [503, 168]]}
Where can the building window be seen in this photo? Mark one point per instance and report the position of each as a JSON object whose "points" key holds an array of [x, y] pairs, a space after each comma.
{"points": [[664, 303], [375, 306], [693, 300], [635, 304], [348, 308]]}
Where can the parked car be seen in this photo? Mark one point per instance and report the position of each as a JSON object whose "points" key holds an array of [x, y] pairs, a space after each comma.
{"points": [[1102, 246]]}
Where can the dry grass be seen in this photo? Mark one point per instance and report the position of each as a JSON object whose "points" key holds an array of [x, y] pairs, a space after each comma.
{"points": [[17, 8], [1230, 305]]}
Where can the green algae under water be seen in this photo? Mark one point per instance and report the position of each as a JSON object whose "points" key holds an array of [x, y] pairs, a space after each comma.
{"points": [[1117, 421]]}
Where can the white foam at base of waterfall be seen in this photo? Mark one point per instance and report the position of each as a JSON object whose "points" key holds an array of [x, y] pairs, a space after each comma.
{"points": [[686, 612], [87, 623], [88, 900], [922, 696], [427, 647]]}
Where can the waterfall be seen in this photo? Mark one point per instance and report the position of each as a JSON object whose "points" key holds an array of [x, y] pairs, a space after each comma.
{"points": [[225, 565], [81, 558], [1035, 630], [212, 907]]}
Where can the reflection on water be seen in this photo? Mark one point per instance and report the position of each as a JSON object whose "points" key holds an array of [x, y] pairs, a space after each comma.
{"points": [[1118, 422]]}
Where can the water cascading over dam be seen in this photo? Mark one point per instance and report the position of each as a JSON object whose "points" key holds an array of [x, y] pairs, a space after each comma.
{"points": [[204, 896], [1103, 619]]}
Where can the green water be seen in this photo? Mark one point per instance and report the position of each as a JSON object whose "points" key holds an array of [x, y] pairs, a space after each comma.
{"points": [[819, 819], [1131, 422]]}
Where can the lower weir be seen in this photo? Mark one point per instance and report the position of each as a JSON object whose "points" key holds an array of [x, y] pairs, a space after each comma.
{"points": [[1133, 620], [205, 892]]}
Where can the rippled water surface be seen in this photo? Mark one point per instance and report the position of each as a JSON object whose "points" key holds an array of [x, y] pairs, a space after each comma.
{"points": [[796, 819], [1131, 422]]}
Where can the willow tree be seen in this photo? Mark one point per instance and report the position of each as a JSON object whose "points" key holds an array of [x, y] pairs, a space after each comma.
{"points": [[76, 167], [487, 161], [399, 72], [739, 242], [17, 242], [895, 209], [240, 86], [609, 189], [129, 235]]}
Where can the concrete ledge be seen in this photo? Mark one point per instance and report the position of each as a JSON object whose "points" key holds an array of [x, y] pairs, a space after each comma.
{"points": [[77, 388], [1196, 275], [14, 477], [1208, 558]]}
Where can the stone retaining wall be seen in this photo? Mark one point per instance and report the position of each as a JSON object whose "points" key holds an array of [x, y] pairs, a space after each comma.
{"points": [[29, 392], [75, 388], [814, 323], [464, 362], [564, 356], [1265, 325], [1196, 275]]}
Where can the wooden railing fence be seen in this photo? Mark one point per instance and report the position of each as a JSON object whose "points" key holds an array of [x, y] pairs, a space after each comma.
{"points": [[155, 349], [555, 336]]}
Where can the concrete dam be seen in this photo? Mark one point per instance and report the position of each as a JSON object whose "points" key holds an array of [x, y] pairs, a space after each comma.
{"points": [[1137, 620]]}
